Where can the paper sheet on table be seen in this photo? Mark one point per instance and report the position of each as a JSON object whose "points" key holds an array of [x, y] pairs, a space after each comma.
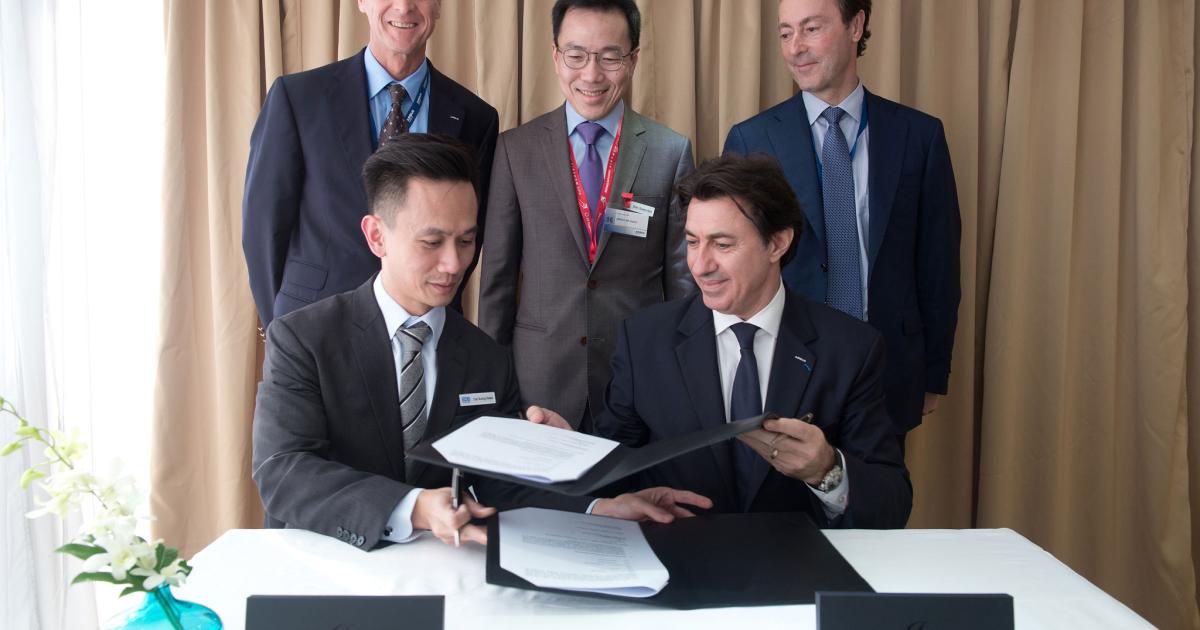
{"points": [[579, 552], [523, 449]]}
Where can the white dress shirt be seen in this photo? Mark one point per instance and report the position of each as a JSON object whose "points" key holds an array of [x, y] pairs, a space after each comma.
{"points": [[850, 123], [399, 524], [729, 354]]}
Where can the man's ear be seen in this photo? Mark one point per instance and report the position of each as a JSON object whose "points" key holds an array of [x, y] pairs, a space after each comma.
{"points": [[779, 243], [372, 229]]}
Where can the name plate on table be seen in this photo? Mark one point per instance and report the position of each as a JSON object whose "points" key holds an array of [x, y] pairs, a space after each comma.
{"points": [[914, 611], [330, 612]]}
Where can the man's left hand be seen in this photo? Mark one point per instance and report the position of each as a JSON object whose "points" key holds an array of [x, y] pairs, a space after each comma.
{"points": [[793, 447], [931, 403]]}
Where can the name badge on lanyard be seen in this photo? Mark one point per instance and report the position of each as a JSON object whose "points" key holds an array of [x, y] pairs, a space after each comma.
{"points": [[592, 230]]}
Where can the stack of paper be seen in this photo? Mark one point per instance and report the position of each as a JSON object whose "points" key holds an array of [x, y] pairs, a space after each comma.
{"points": [[579, 552], [523, 449]]}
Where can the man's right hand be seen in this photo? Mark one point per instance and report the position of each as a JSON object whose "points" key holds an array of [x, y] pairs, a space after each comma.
{"points": [[659, 504], [433, 512], [541, 415]]}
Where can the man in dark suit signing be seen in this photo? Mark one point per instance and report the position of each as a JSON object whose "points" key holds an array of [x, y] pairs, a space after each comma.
{"points": [[304, 197], [879, 196], [354, 381], [746, 345]]}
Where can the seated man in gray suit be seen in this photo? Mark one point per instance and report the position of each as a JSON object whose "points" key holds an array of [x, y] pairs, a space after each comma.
{"points": [[555, 182], [353, 381]]}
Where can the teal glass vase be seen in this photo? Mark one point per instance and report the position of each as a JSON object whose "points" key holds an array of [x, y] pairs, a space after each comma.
{"points": [[160, 610]]}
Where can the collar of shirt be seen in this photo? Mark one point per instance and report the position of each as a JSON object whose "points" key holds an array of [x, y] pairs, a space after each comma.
{"points": [[767, 319], [378, 77], [852, 105], [609, 122], [394, 315]]}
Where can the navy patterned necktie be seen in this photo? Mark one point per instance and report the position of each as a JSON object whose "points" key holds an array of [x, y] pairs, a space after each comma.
{"points": [[413, 414], [841, 220], [745, 401], [395, 124]]}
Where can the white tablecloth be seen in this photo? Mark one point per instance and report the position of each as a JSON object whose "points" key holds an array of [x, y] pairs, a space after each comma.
{"points": [[240, 563]]}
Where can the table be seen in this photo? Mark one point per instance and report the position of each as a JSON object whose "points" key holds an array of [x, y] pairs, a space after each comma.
{"points": [[1047, 594]]}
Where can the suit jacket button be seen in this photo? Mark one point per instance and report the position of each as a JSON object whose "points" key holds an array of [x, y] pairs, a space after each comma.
{"points": [[592, 284], [825, 267], [583, 340], [340, 531], [358, 542]]}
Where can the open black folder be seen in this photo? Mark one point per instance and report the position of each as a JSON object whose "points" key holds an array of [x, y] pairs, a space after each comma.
{"points": [[721, 560], [618, 464]]}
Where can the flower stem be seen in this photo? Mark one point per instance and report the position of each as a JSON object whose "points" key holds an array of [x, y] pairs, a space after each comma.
{"points": [[168, 609]]}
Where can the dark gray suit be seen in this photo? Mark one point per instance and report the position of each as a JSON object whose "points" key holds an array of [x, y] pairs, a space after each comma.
{"points": [[328, 445], [537, 292]]}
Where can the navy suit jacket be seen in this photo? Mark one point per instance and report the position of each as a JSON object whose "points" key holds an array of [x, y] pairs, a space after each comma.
{"points": [[304, 196], [912, 249], [666, 383]]}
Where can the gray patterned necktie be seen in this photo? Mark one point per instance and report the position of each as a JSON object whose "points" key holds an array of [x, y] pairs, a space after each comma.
{"points": [[841, 220], [395, 124], [413, 414]]}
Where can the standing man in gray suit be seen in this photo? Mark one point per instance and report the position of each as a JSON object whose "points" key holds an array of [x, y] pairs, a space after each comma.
{"points": [[583, 226]]}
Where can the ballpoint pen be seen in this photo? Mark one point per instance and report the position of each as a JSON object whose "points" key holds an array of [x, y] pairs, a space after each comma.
{"points": [[454, 480]]}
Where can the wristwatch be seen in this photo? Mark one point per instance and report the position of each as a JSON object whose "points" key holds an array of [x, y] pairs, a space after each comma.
{"points": [[833, 478]]}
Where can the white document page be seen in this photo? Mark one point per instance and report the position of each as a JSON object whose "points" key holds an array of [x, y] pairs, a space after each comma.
{"points": [[579, 552], [523, 449]]}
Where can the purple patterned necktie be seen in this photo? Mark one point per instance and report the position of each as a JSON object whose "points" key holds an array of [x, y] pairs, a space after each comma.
{"points": [[591, 173]]}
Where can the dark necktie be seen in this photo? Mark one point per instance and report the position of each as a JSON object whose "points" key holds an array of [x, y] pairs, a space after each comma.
{"points": [[395, 124], [412, 386], [591, 172], [745, 401], [841, 220]]}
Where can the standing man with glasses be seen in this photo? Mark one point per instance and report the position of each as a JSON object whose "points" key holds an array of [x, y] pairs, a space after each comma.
{"points": [[583, 226], [879, 195], [304, 198]]}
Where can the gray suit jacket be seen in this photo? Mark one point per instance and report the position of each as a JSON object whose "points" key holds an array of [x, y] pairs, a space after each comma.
{"points": [[537, 292], [328, 442]]}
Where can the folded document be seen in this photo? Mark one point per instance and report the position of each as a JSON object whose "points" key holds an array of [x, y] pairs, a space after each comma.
{"points": [[535, 452]]}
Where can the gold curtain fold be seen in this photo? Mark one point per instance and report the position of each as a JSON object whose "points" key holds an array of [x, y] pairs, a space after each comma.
{"points": [[1071, 127]]}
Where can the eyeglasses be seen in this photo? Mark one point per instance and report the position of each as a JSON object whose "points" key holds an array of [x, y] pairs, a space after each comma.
{"points": [[577, 58]]}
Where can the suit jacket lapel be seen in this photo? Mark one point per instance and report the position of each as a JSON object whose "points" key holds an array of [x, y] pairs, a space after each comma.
{"points": [[885, 147], [347, 100], [377, 368], [791, 367], [792, 140], [447, 117], [697, 356], [629, 160], [558, 169]]}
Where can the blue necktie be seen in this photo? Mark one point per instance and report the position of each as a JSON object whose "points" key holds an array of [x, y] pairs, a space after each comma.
{"points": [[841, 220], [745, 401], [591, 173]]}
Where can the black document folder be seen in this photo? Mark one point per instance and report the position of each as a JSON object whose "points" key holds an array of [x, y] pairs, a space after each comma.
{"points": [[721, 560], [621, 462]]}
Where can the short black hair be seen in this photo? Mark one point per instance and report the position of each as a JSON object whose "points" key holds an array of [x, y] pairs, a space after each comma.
{"points": [[757, 186], [627, 7], [849, 9], [434, 157]]}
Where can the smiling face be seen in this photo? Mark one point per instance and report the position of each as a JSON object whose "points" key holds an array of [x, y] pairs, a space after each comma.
{"points": [[429, 244], [399, 31], [591, 90], [737, 273], [820, 50]]}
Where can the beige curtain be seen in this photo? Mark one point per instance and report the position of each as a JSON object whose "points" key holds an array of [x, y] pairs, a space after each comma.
{"points": [[1071, 126]]}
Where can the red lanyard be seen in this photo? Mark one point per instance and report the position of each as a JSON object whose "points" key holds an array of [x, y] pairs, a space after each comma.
{"points": [[593, 231]]}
